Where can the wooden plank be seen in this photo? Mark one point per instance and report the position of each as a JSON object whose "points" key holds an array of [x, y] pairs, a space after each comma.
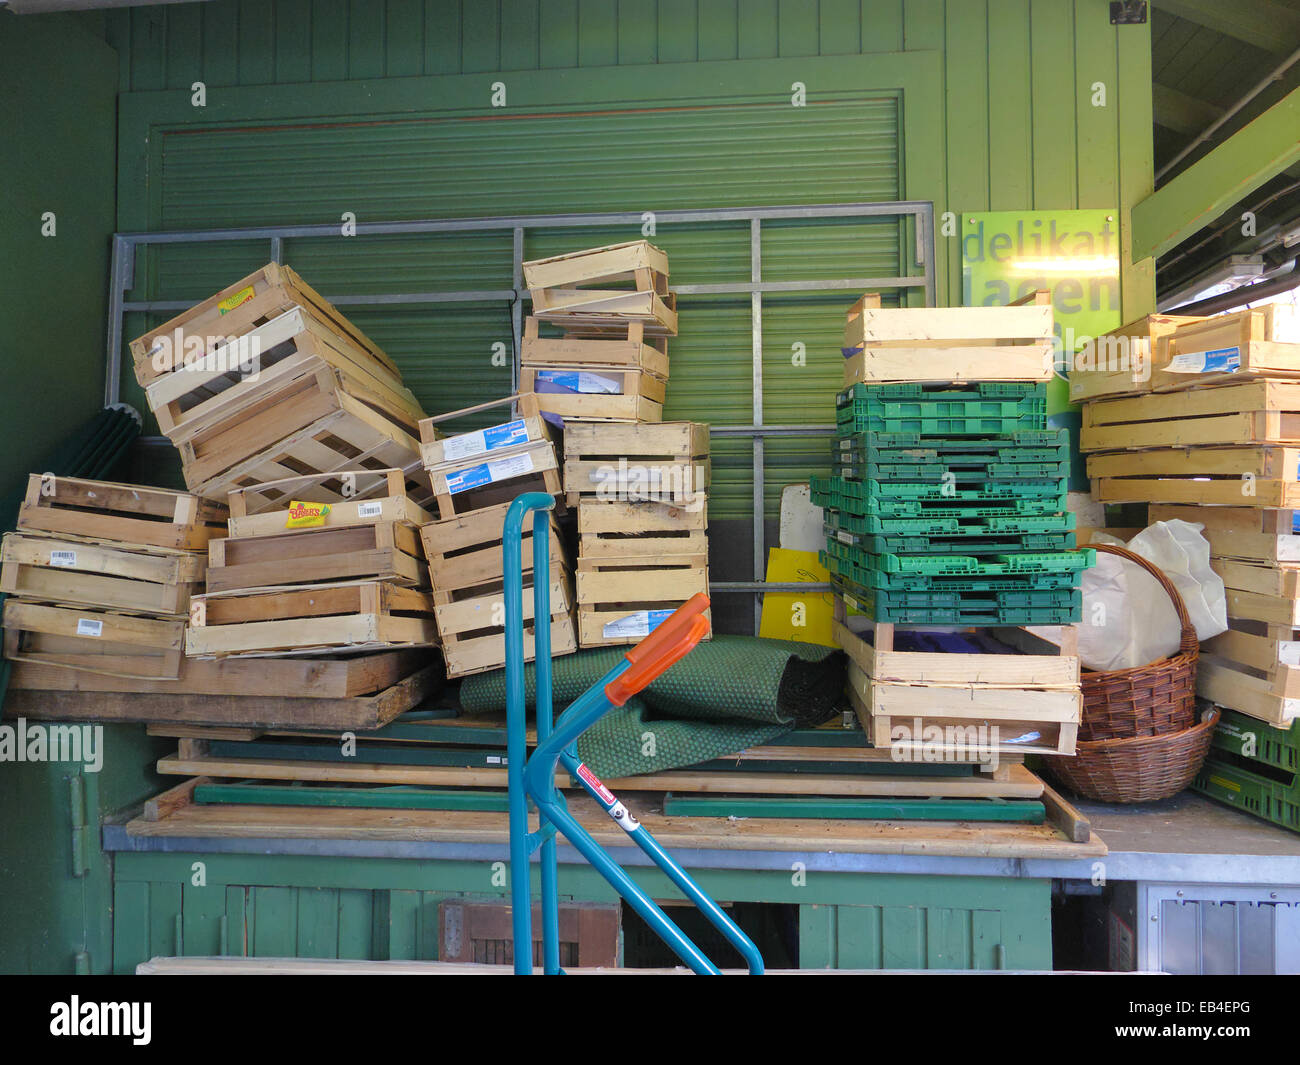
{"points": [[875, 365], [1238, 690]]}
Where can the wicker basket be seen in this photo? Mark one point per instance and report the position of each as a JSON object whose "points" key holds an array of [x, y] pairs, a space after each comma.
{"points": [[1151, 700], [1140, 769]]}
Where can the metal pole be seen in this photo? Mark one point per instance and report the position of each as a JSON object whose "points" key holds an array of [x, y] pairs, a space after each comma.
{"points": [[759, 455]]}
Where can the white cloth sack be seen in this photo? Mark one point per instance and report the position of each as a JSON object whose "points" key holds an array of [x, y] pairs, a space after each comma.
{"points": [[1128, 618]]}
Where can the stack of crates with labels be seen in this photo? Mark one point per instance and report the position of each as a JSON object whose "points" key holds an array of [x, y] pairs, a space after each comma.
{"points": [[947, 499], [641, 493], [1254, 767], [317, 564], [616, 313], [99, 576], [267, 379], [1216, 441], [476, 475]]}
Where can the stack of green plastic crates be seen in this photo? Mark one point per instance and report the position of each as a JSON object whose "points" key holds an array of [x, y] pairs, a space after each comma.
{"points": [[946, 505], [1255, 767]]}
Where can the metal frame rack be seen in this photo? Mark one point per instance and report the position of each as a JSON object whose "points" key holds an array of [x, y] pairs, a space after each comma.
{"points": [[917, 246]]}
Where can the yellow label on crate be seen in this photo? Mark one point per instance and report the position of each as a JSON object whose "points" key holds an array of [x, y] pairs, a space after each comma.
{"points": [[1231, 785], [231, 302], [306, 515]]}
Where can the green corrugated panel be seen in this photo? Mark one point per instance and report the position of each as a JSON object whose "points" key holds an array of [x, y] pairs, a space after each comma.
{"points": [[430, 168]]}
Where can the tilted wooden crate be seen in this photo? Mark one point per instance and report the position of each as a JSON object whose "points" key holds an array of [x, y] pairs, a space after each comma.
{"points": [[566, 289], [1121, 362], [354, 497], [1254, 343], [636, 351]]}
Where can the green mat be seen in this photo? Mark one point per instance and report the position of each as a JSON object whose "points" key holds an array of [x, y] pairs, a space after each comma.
{"points": [[730, 693]]}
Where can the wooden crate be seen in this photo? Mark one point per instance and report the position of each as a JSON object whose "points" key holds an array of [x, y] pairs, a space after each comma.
{"points": [[1120, 362], [934, 704], [465, 551], [1253, 412], [636, 351], [1229, 476], [99, 641], [667, 462], [439, 451], [338, 617], [621, 599], [328, 434], [596, 393], [217, 387], [1258, 535], [80, 572], [1261, 342], [126, 513], [947, 343], [471, 622], [475, 484], [562, 289], [236, 310], [385, 551], [354, 497], [620, 530], [1254, 667]]}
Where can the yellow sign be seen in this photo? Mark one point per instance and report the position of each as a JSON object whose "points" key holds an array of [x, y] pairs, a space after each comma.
{"points": [[791, 616], [306, 515], [231, 302]]}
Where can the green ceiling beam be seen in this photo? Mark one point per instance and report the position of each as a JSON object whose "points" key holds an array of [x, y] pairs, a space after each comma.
{"points": [[1212, 184], [1182, 113], [1266, 24]]}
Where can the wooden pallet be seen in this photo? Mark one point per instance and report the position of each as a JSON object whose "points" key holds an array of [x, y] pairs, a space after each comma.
{"points": [[476, 483], [927, 705], [354, 497], [465, 551], [948, 343], [1229, 476], [1256, 535], [80, 572], [1261, 342], [596, 393], [1253, 412], [384, 551], [439, 450], [335, 694], [329, 433], [99, 641], [621, 599], [126, 513], [312, 619], [471, 623], [1120, 362], [218, 386], [626, 346], [239, 308], [665, 462]]}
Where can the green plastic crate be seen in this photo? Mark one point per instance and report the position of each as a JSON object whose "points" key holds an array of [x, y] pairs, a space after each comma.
{"points": [[1276, 747], [1056, 441], [866, 576], [980, 410], [1250, 790], [967, 610]]}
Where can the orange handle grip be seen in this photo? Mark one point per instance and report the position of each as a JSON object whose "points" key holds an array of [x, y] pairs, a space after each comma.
{"points": [[670, 642]]}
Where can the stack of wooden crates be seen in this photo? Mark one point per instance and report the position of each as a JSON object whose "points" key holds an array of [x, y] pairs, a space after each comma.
{"points": [[639, 484], [475, 477], [100, 576], [1210, 434], [947, 506]]}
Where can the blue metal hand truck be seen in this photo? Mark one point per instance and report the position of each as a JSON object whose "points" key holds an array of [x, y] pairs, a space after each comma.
{"points": [[533, 778]]}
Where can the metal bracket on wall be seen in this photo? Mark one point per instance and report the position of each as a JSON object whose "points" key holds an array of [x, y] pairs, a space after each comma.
{"points": [[916, 248]]}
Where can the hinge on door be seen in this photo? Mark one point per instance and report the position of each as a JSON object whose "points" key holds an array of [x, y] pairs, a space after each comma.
{"points": [[81, 834]]}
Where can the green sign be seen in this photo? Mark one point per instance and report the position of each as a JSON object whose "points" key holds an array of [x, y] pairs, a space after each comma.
{"points": [[1007, 255]]}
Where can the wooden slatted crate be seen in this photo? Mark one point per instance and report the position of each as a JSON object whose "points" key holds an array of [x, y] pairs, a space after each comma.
{"points": [[947, 343], [1255, 343], [385, 551], [667, 462], [1224, 476], [620, 529], [596, 393], [126, 513], [568, 289], [595, 347], [465, 551], [1120, 363], [477, 483], [620, 600], [440, 450], [342, 617], [1254, 667], [928, 705], [1253, 534], [80, 572], [354, 497], [115, 643]]}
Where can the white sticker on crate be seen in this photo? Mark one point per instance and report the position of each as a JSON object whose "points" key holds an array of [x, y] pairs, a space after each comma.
{"points": [[371, 509], [89, 627], [583, 382], [642, 623], [493, 438], [488, 472], [1220, 360], [63, 558]]}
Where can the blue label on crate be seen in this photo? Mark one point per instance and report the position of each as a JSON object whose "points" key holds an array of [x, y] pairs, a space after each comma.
{"points": [[495, 437], [501, 469], [581, 382], [464, 480], [1220, 360]]}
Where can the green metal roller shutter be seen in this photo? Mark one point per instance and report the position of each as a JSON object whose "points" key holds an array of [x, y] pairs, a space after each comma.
{"points": [[632, 159]]}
